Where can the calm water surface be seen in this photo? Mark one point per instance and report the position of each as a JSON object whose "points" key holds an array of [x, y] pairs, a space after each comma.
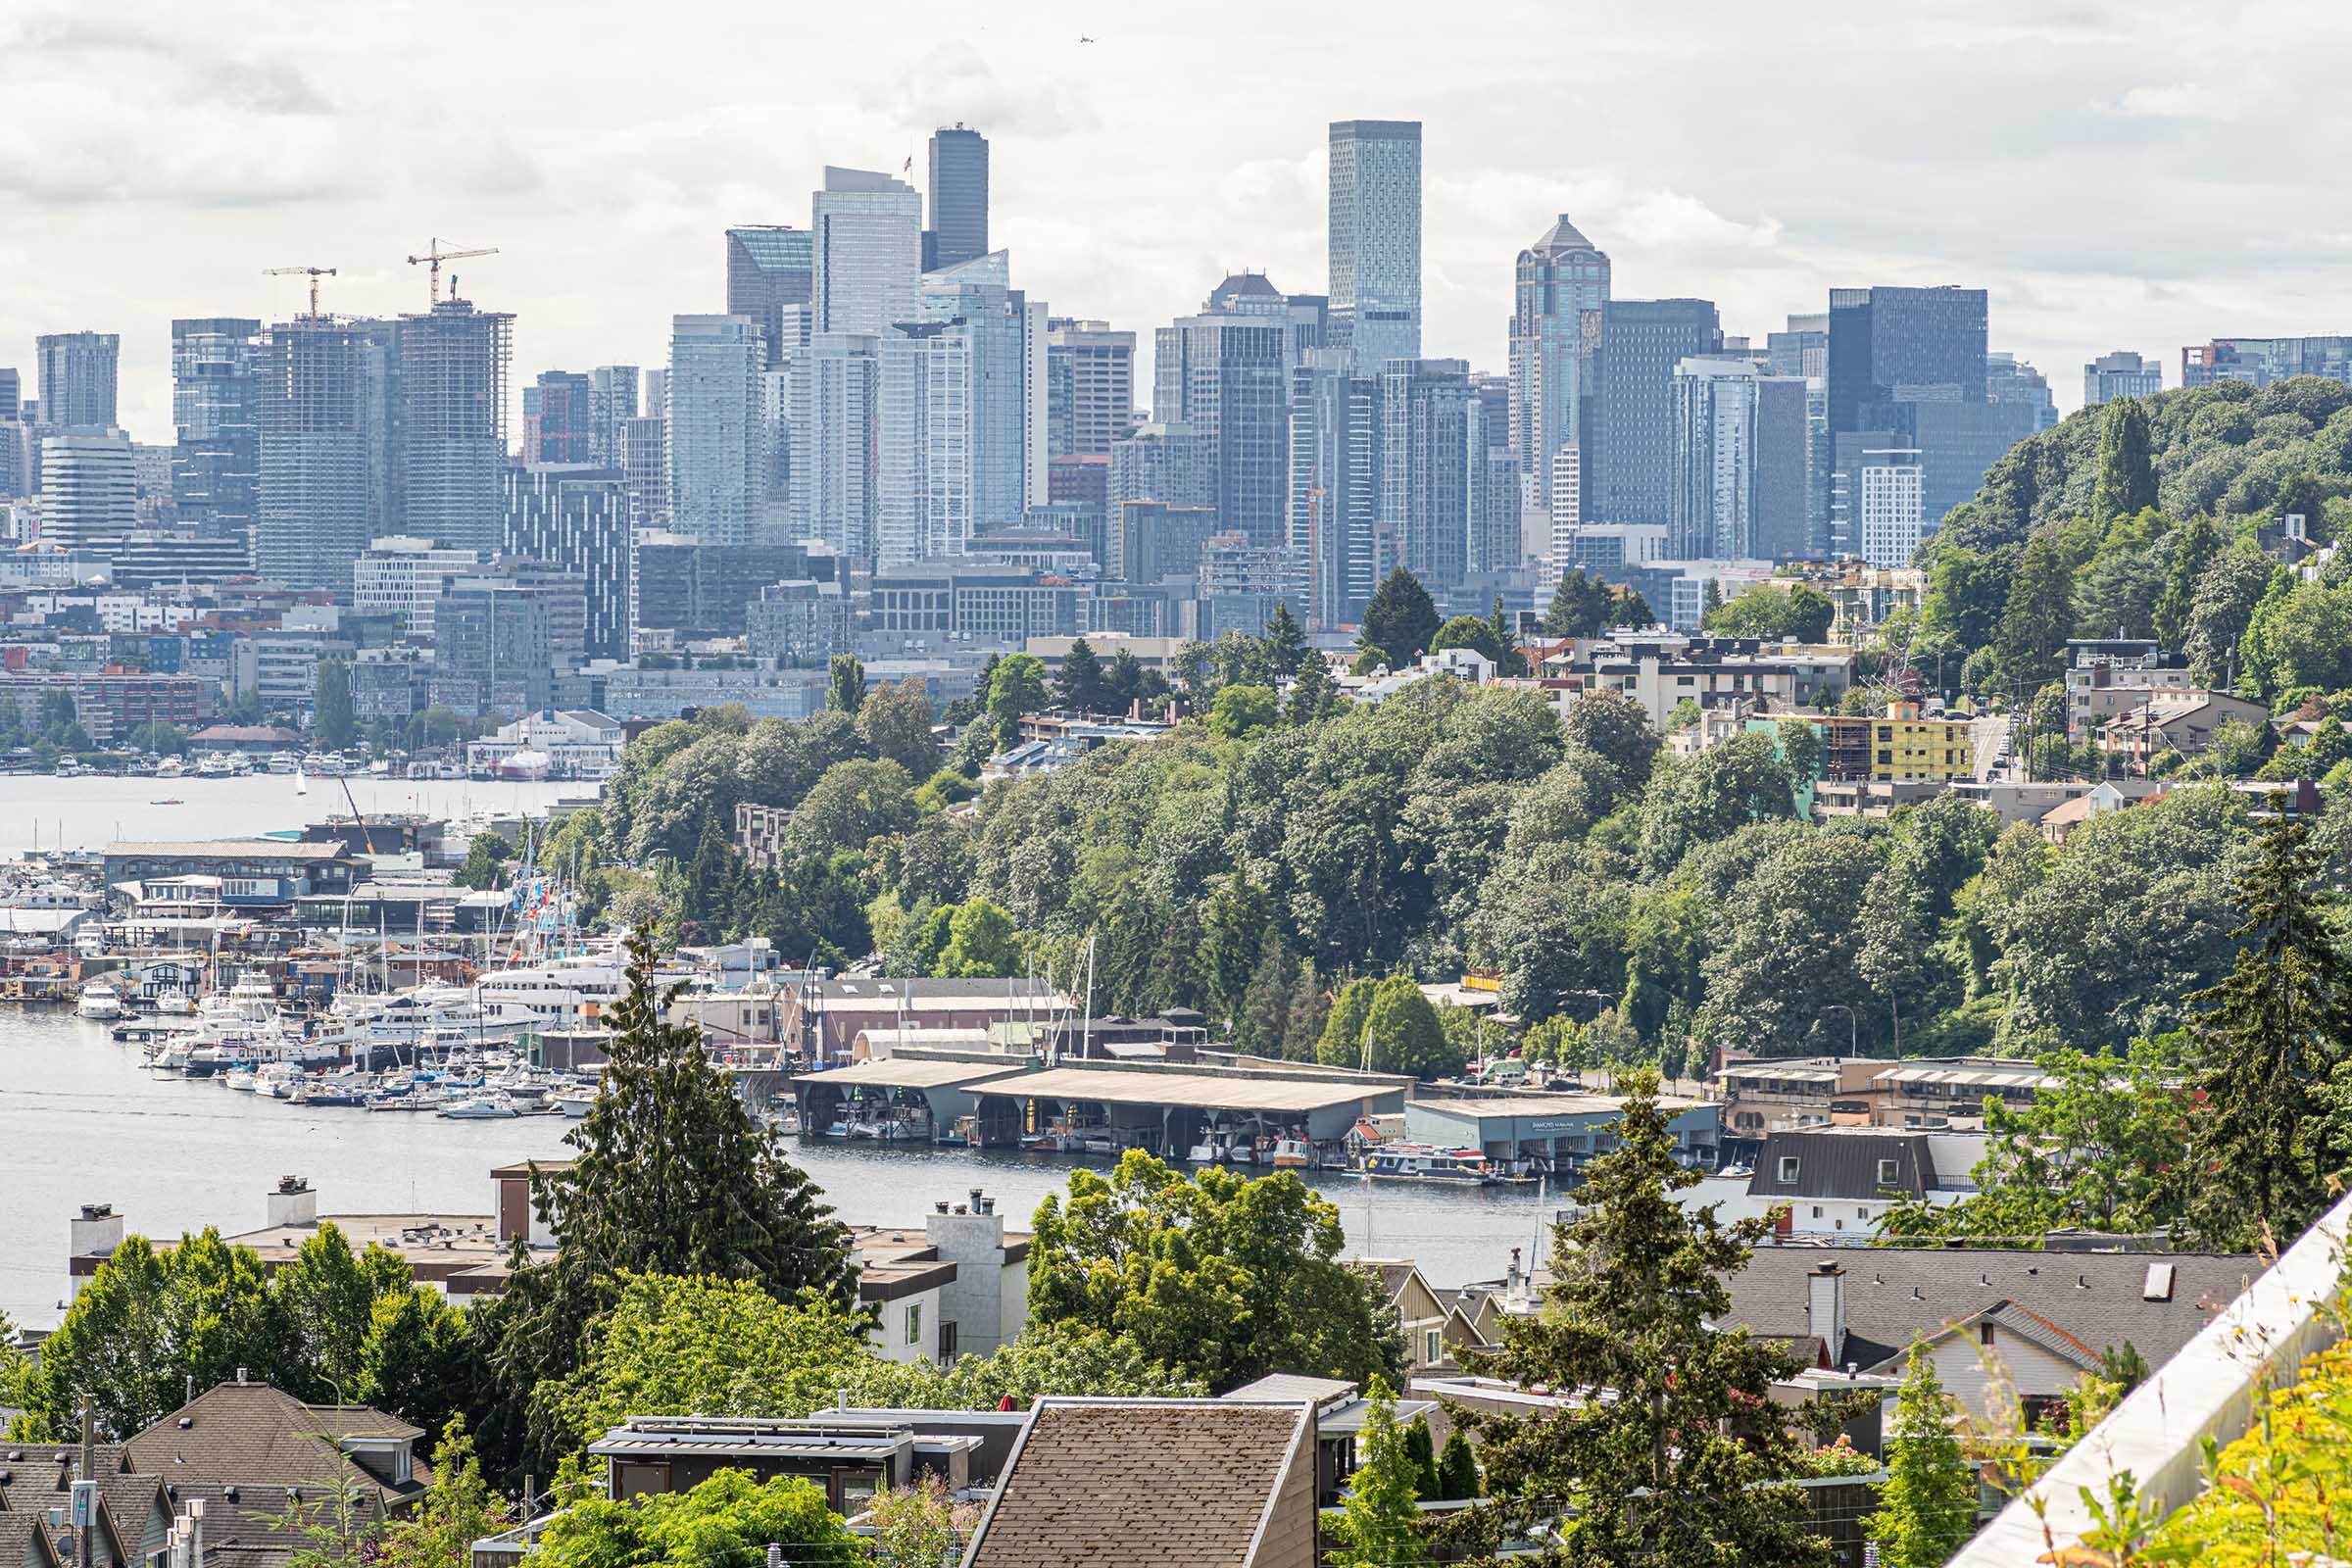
{"points": [[83, 1121], [83, 813]]}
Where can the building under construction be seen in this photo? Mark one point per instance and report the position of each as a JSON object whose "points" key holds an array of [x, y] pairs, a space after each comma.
{"points": [[455, 365]]}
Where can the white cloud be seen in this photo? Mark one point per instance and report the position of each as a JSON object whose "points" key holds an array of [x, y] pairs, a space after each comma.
{"points": [[2180, 100]]}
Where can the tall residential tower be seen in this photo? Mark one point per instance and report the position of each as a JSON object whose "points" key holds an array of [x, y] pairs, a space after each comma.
{"points": [[1375, 241]]}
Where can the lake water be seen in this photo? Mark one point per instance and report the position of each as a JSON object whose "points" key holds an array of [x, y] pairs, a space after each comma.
{"points": [[81, 1121], [83, 813]]}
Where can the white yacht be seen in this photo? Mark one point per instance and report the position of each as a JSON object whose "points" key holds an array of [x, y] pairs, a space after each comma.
{"points": [[478, 1107], [100, 1000], [569, 993]]}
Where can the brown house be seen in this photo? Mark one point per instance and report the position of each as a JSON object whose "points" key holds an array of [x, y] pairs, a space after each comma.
{"points": [[1173, 1483], [134, 1513]]}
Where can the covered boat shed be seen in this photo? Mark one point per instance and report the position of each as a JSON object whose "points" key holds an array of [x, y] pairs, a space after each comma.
{"points": [[1166, 1109], [942, 1086], [1557, 1134]]}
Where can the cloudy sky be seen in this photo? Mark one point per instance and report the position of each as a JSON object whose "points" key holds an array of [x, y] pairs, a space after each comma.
{"points": [[2143, 174]]}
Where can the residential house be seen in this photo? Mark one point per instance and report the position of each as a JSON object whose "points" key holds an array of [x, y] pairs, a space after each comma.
{"points": [[2108, 795], [1341, 1411], [25, 1542], [132, 1526], [852, 1460], [2180, 721], [2045, 1317], [2108, 677], [1770, 1095], [1836, 1183], [1099, 1483], [1422, 1314]]}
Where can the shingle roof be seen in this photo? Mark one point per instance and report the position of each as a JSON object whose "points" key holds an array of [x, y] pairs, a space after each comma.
{"points": [[39, 1476], [1179, 1482], [25, 1543], [1843, 1164], [253, 1435], [1897, 1296]]}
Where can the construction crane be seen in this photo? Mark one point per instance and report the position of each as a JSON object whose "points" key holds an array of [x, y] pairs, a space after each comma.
{"points": [[432, 257], [314, 274]]}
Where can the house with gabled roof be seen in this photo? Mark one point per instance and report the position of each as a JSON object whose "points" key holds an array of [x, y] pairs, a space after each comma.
{"points": [[135, 1512]]}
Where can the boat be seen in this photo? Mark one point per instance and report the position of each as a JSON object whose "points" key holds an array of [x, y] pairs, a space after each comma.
{"points": [[172, 1056], [576, 1106], [1426, 1163], [285, 762], [174, 1002], [1292, 1153], [478, 1107], [244, 1078], [171, 768], [100, 1000], [321, 1092], [215, 764], [168, 800]]}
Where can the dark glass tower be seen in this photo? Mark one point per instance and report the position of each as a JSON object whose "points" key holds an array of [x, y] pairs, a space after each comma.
{"points": [[958, 230], [1629, 459], [768, 268], [217, 462]]}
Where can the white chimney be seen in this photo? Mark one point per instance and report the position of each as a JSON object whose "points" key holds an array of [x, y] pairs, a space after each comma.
{"points": [[293, 1202], [1825, 1308], [96, 1232]]}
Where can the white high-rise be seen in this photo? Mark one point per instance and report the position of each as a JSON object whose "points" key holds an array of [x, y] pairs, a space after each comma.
{"points": [[715, 451], [867, 244], [962, 415], [1892, 502], [88, 488], [1713, 515], [836, 393], [1567, 513]]}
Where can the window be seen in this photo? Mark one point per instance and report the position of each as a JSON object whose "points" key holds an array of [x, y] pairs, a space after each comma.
{"points": [[1788, 1167], [1886, 1176], [914, 1322], [1817, 1212], [947, 1342], [1984, 1333], [1433, 1346]]}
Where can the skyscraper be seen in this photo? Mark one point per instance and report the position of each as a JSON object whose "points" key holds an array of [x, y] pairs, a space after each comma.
{"points": [[455, 363], [1226, 372], [1433, 457], [2011, 381], [1090, 386], [1171, 463], [612, 400], [1783, 484], [836, 390], [954, 415], [88, 489], [2120, 374], [78, 378], [867, 243], [1713, 517], [958, 230], [1628, 467], [217, 462], [12, 392], [1375, 241], [770, 267], [575, 520], [329, 465], [558, 419], [715, 364], [1559, 278]]}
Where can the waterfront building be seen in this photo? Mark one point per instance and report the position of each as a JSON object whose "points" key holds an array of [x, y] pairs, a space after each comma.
{"points": [[77, 376], [959, 168], [1629, 477], [1090, 387], [771, 267], [576, 518], [715, 455], [455, 361], [867, 247], [217, 458], [2121, 373], [1375, 241], [558, 419], [1558, 279]]}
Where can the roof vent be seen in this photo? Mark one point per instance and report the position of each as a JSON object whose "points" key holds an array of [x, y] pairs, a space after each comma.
{"points": [[186, 1422], [228, 1491]]}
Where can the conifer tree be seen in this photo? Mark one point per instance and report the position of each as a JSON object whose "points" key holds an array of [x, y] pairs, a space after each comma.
{"points": [[1457, 1471], [1286, 649], [1423, 1449], [1263, 1018], [1681, 1465], [1312, 694], [844, 686], [670, 1176], [1401, 619], [1079, 685], [2275, 1029], [2127, 479], [1928, 1508], [1375, 1530]]}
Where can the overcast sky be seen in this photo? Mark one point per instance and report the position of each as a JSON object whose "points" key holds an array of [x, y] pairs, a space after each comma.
{"points": [[2139, 175]]}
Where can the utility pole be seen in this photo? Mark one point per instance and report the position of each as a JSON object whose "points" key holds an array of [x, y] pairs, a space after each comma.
{"points": [[85, 1489]]}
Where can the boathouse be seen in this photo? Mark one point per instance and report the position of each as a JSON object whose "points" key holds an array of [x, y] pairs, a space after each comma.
{"points": [[1555, 1134]]}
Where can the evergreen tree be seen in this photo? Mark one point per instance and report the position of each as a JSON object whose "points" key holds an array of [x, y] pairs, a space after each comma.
{"points": [[1506, 636], [711, 880], [1233, 924], [1401, 619], [1928, 1508], [1422, 1449], [1402, 1033], [1580, 605], [334, 724], [844, 687], [1286, 649], [1682, 1465], [1309, 1008], [2127, 479], [1629, 608], [670, 1176], [2275, 1032], [1375, 1528], [2191, 549], [1080, 684], [1457, 1471], [1312, 693], [1341, 1042], [1263, 1020]]}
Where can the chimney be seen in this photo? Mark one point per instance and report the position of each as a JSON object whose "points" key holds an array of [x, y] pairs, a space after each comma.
{"points": [[1825, 1308], [96, 1232], [293, 1202]]}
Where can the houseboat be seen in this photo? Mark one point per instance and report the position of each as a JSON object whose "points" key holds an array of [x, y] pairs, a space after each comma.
{"points": [[1426, 1163]]}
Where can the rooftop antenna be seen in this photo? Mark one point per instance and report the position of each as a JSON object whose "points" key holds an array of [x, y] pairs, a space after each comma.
{"points": [[433, 259], [314, 274]]}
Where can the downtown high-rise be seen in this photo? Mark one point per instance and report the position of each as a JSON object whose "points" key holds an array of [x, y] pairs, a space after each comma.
{"points": [[958, 170], [78, 378], [867, 240], [1433, 469], [954, 416], [770, 267], [328, 407], [1090, 386], [2120, 374], [714, 449], [558, 419], [455, 366], [1375, 241], [1556, 282], [1226, 372], [215, 418], [1627, 466]]}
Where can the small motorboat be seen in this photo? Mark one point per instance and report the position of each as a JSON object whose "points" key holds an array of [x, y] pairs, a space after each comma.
{"points": [[480, 1107], [168, 800]]}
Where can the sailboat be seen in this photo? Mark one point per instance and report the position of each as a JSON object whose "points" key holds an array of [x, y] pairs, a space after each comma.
{"points": [[302, 785]]}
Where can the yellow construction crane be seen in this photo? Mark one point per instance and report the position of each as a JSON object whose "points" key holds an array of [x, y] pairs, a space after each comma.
{"points": [[432, 257], [314, 274]]}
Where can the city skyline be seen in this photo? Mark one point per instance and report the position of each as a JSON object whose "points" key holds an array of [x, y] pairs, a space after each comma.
{"points": [[1118, 202]]}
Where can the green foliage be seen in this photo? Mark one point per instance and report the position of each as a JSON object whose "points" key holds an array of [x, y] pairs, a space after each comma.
{"points": [[334, 724], [2277, 1492], [1017, 687], [729, 1519], [844, 684], [852, 804], [896, 721], [458, 1509], [1580, 607], [1928, 1507], [1341, 1043], [2127, 479], [670, 1175], [1683, 1465], [1216, 1274], [1240, 710], [1375, 1527], [1471, 632], [1079, 684], [485, 859], [1422, 1449], [1402, 1032], [1799, 614], [1457, 1471], [981, 944], [1400, 619]]}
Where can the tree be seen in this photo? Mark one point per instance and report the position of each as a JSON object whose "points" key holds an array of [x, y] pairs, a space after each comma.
{"points": [[982, 944], [1422, 1449], [1629, 608], [2126, 477], [331, 697], [1580, 605], [324, 1304], [1216, 1274], [1287, 651], [458, 1509], [485, 856], [844, 684], [896, 721], [1686, 1462], [1341, 1043], [1457, 1470], [1800, 614], [729, 1519], [1928, 1508], [1079, 685], [419, 1360], [1241, 710], [1615, 727], [1375, 1527], [1473, 633], [2189, 550], [1402, 1034], [1785, 947], [164, 740], [1312, 693], [1017, 687], [2270, 1037], [1513, 663], [670, 1175], [852, 805], [917, 1525], [1400, 619]]}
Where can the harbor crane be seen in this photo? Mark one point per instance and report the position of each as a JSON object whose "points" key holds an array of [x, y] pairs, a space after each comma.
{"points": [[433, 259], [314, 274]]}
